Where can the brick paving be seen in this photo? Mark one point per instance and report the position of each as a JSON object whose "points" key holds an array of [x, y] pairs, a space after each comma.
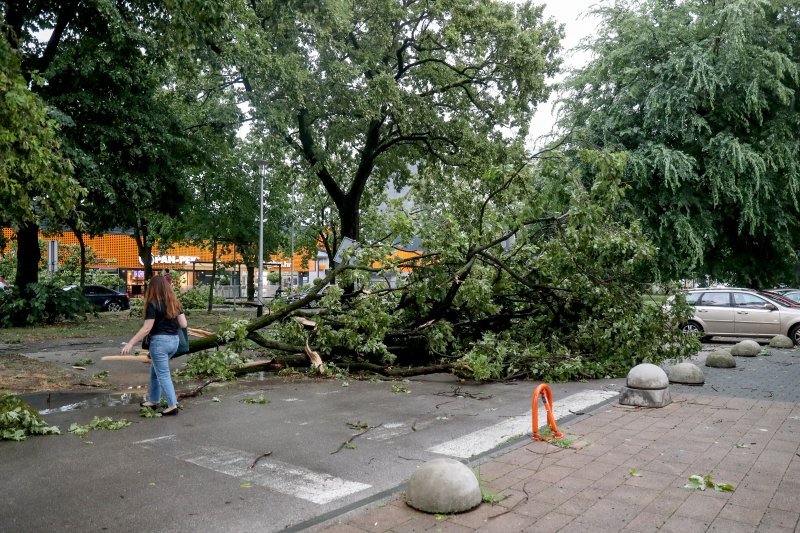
{"points": [[750, 440]]}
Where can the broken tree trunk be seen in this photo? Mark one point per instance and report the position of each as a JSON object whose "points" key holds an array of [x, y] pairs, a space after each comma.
{"points": [[264, 321]]}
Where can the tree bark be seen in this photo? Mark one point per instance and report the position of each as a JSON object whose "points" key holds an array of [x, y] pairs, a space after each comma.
{"points": [[213, 275], [251, 286], [82, 243], [28, 257], [144, 248]]}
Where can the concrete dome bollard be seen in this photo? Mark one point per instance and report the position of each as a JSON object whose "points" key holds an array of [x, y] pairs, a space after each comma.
{"points": [[781, 341], [686, 373], [443, 486], [720, 359], [746, 349], [647, 386]]}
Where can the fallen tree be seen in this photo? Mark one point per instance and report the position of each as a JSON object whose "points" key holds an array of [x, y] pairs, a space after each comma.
{"points": [[513, 287]]}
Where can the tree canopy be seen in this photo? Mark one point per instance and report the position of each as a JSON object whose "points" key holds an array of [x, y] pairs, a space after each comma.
{"points": [[36, 180], [138, 120], [353, 94], [703, 96]]}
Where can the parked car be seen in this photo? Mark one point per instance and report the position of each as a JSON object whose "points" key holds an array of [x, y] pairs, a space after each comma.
{"points": [[780, 298], [791, 294], [730, 312], [104, 298], [782, 290]]}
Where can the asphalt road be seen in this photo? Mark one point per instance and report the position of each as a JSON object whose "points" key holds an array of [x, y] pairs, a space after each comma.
{"points": [[224, 465]]}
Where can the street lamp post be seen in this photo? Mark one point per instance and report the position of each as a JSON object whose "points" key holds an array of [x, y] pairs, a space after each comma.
{"points": [[291, 274], [262, 171]]}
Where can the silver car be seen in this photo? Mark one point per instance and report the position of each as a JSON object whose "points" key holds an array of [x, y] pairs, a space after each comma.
{"points": [[728, 312]]}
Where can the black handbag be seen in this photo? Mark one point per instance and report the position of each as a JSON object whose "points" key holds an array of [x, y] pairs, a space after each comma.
{"points": [[183, 341], [146, 342]]}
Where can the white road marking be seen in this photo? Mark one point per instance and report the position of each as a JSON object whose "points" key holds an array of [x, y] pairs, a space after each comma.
{"points": [[485, 439], [281, 477]]}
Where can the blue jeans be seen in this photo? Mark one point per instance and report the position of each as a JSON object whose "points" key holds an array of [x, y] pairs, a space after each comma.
{"points": [[162, 348]]}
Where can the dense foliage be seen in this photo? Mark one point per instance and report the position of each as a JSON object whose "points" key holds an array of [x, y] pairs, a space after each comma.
{"points": [[703, 97], [35, 179]]}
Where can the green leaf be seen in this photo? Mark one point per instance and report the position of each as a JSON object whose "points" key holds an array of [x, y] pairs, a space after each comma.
{"points": [[260, 399], [696, 482]]}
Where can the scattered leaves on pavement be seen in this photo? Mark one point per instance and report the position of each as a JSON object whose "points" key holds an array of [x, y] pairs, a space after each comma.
{"points": [[704, 482], [260, 399], [19, 420], [105, 422]]}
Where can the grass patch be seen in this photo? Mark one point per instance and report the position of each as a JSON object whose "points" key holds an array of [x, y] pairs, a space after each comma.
{"points": [[110, 325], [547, 434]]}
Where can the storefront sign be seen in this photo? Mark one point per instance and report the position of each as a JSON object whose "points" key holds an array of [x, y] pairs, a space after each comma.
{"points": [[172, 259]]}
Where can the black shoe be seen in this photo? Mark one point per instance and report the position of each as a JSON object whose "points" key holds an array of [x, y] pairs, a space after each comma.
{"points": [[148, 404], [172, 412]]}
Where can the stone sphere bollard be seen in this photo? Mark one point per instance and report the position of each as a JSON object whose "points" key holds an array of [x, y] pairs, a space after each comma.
{"points": [[720, 359], [781, 341], [647, 386], [443, 486], [686, 373], [746, 349]]}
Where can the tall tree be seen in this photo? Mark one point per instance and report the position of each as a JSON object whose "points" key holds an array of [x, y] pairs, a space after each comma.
{"points": [[703, 94], [224, 209], [35, 179], [138, 119], [355, 93]]}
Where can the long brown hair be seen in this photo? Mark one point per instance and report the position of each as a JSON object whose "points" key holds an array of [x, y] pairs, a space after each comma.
{"points": [[160, 292]]}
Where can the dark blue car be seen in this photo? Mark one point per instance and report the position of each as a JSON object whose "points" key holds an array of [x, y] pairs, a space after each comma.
{"points": [[103, 298]]}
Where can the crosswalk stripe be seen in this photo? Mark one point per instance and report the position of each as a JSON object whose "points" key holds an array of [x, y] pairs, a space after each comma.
{"points": [[275, 475], [485, 439]]}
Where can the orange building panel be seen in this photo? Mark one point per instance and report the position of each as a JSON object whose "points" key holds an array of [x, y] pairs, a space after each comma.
{"points": [[116, 250]]}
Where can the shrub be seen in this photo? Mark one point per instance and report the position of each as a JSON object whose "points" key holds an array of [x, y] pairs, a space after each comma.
{"points": [[197, 298], [48, 304]]}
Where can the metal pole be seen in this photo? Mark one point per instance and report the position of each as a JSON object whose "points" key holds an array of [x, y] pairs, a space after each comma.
{"points": [[262, 166], [291, 272]]}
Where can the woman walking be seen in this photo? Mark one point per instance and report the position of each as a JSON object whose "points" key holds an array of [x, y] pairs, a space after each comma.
{"points": [[163, 316]]}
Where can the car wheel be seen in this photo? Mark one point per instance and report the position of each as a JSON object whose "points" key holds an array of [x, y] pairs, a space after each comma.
{"points": [[693, 328], [114, 306], [794, 334]]}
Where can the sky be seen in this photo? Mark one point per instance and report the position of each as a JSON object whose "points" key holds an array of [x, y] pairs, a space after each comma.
{"points": [[573, 14]]}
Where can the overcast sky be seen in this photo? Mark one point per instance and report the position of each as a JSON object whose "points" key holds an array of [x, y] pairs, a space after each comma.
{"points": [[577, 26]]}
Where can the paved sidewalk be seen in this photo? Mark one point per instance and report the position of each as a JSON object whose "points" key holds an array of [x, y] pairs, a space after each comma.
{"points": [[747, 442]]}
